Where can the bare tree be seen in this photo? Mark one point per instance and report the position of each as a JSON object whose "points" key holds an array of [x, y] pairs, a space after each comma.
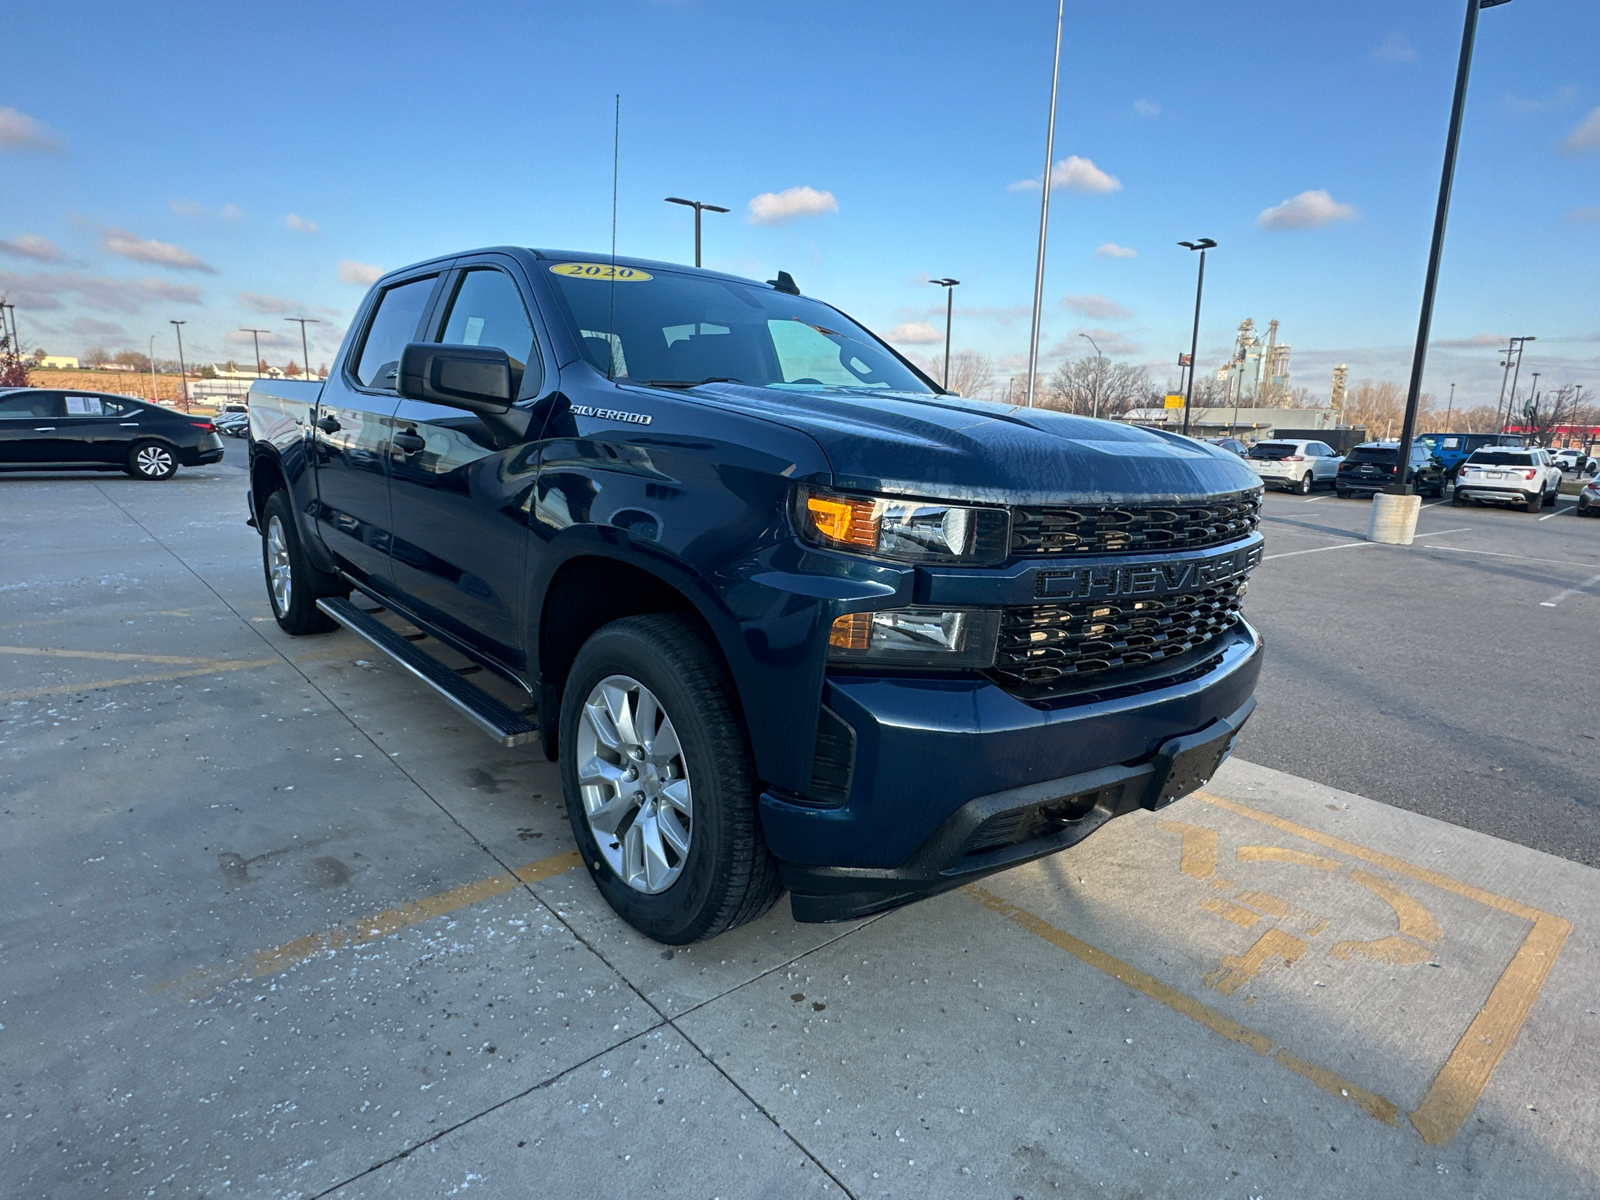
{"points": [[1479, 419], [1378, 406], [96, 356], [132, 358], [971, 373], [1096, 385], [1549, 411]]}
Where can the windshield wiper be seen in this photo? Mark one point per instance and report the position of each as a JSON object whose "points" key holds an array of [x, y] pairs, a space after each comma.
{"points": [[688, 383]]}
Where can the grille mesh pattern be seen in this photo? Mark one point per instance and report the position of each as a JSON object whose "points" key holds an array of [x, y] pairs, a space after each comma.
{"points": [[1050, 644], [1134, 529]]}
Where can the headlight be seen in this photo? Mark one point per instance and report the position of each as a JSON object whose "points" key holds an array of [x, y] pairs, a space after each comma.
{"points": [[920, 531], [951, 639]]}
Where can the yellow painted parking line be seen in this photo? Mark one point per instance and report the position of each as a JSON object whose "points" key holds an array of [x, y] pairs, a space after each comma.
{"points": [[107, 655], [209, 980], [1466, 1072], [95, 685]]}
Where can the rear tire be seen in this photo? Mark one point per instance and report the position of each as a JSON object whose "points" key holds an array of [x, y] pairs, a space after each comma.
{"points": [[1534, 502], [1459, 500], [293, 584], [1550, 497], [1343, 493], [1303, 488], [712, 870], [151, 460]]}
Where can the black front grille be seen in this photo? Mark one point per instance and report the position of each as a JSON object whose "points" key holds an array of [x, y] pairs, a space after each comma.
{"points": [[1134, 528], [1054, 644]]}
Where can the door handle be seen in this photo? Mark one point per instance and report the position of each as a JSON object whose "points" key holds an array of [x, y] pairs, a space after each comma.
{"points": [[329, 425], [410, 442], [44, 428]]}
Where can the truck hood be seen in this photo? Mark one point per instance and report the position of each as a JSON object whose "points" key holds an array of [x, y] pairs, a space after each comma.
{"points": [[953, 448]]}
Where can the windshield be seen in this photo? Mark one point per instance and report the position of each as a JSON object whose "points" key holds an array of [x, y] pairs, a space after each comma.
{"points": [[1274, 450], [1500, 458], [663, 328]]}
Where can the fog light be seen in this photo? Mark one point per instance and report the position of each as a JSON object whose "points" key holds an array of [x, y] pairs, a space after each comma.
{"points": [[917, 637]]}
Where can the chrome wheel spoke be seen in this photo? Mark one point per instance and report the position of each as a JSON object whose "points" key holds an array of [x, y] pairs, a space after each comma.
{"points": [[676, 794], [605, 729], [657, 870], [608, 815], [674, 831], [663, 747]]}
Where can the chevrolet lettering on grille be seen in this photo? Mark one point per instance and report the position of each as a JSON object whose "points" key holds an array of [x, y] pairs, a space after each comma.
{"points": [[1155, 579]]}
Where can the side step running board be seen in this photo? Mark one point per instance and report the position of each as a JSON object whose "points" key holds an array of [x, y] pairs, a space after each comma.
{"points": [[494, 718]]}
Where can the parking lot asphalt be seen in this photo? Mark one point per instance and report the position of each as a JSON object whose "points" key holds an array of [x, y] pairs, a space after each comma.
{"points": [[1447, 677], [278, 923]]}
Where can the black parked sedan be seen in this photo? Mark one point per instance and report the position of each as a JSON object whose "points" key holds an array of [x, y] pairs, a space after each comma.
{"points": [[42, 429]]}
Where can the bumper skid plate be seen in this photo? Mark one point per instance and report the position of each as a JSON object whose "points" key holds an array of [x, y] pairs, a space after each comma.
{"points": [[993, 832]]}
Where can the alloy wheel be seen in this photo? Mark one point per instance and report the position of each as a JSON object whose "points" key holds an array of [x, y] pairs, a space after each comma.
{"points": [[279, 574], [634, 784], [153, 461]]}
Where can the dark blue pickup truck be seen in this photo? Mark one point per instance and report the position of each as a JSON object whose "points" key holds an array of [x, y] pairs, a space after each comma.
{"points": [[789, 615]]}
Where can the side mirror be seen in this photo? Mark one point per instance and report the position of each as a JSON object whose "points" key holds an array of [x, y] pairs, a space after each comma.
{"points": [[475, 378]]}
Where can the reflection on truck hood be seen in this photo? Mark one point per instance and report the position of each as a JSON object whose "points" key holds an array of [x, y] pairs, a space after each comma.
{"points": [[954, 448]]}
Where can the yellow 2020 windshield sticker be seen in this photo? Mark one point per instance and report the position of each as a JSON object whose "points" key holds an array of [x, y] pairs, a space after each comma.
{"points": [[600, 271]]}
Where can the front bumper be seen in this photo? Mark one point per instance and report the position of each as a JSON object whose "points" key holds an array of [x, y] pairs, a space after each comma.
{"points": [[954, 779]]}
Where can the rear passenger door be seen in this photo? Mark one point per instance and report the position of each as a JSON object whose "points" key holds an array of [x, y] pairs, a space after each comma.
{"points": [[352, 426], [458, 484], [91, 429], [29, 421]]}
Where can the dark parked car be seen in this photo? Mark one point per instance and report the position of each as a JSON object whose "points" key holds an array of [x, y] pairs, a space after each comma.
{"points": [[1370, 468], [1232, 445], [42, 429], [788, 614]]}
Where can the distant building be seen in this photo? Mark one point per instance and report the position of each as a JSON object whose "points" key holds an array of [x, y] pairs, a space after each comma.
{"points": [[1247, 423], [1258, 370], [59, 362]]}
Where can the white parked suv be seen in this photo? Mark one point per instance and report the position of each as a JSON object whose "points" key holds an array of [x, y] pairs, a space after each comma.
{"points": [[1294, 466], [1509, 476]]}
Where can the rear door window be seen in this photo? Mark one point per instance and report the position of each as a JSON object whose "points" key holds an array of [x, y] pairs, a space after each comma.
{"points": [[395, 322], [26, 405]]}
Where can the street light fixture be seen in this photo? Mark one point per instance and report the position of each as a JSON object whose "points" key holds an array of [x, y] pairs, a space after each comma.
{"points": [[698, 206], [1201, 245], [1094, 401], [255, 336], [305, 352], [1382, 514], [949, 286], [183, 370]]}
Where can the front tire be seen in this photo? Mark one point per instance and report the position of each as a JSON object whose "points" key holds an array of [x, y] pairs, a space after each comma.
{"points": [[151, 460], [293, 584], [660, 783]]}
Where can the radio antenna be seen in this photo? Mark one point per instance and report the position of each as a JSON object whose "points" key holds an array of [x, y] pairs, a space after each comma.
{"points": [[611, 320]]}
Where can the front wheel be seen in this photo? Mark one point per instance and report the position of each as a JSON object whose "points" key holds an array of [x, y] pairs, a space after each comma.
{"points": [[151, 460], [293, 584], [660, 784]]}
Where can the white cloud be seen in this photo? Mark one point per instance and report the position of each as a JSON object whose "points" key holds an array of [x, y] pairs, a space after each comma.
{"points": [[1560, 98], [779, 208], [88, 325], [1308, 210], [1073, 174], [269, 339], [270, 305], [1476, 341], [1147, 108], [300, 224], [31, 245], [19, 131], [1585, 137], [40, 292], [1583, 215], [351, 271], [187, 208], [1112, 345], [1096, 308], [1394, 49], [230, 212], [1112, 250], [914, 333], [126, 244]]}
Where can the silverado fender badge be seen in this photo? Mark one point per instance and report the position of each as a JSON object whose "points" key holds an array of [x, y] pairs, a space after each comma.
{"points": [[612, 414]]}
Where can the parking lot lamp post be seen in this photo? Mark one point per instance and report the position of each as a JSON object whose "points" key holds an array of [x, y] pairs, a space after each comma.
{"points": [[1094, 396], [1390, 521], [155, 392], [698, 206], [1533, 400], [183, 371], [949, 286], [305, 353], [1449, 408], [1516, 374], [1202, 245], [255, 336]]}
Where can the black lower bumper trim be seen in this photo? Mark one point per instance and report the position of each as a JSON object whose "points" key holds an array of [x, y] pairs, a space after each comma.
{"points": [[1003, 829]]}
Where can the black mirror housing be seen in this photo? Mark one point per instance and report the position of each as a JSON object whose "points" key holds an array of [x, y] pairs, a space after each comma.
{"points": [[475, 378]]}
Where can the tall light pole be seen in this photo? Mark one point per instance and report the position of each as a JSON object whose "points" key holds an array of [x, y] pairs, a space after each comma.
{"points": [[698, 206], [1402, 483], [1449, 408], [305, 352], [155, 392], [255, 336], [1202, 245], [1044, 210], [949, 286], [1533, 398], [183, 370], [1094, 399], [1516, 374]]}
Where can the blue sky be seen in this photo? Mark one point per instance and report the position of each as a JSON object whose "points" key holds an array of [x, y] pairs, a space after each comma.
{"points": [[229, 167]]}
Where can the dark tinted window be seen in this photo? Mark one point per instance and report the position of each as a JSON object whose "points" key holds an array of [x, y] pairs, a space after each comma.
{"points": [[1322, 450], [488, 311], [1501, 458], [393, 325], [665, 326], [30, 404], [1374, 454], [1273, 450]]}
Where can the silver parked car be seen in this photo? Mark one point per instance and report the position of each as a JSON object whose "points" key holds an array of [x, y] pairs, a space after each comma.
{"points": [[1294, 466]]}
